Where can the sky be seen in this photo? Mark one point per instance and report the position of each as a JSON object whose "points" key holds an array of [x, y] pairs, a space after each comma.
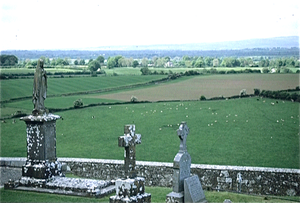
{"points": [[80, 24]]}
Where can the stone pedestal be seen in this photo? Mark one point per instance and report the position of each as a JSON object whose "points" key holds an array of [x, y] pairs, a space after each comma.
{"points": [[130, 190], [41, 160]]}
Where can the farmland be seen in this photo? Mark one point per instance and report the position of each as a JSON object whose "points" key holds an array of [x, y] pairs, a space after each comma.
{"points": [[247, 131], [209, 86]]}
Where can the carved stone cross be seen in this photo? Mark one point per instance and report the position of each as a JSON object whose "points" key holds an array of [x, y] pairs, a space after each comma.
{"points": [[129, 140], [182, 133]]}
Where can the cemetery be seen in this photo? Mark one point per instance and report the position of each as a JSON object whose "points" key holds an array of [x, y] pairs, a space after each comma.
{"points": [[126, 180]]}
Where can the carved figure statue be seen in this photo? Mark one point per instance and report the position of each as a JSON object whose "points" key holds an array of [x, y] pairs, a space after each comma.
{"points": [[39, 88]]}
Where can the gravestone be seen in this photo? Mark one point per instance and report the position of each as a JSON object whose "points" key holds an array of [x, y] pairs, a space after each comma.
{"points": [[182, 170], [132, 188], [42, 172], [193, 191], [129, 141]]}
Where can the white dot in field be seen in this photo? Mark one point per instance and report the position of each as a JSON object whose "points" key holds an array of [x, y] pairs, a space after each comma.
{"points": [[159, 128], [271, 137], [186, 116], [208, 125]]}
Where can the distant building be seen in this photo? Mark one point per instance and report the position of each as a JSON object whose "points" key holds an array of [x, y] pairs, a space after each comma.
{"points": [[169, 64]]}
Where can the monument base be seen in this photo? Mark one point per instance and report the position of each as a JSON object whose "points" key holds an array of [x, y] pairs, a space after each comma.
{"points": [[130, 190], [42, 170], [175, 197], [65, 186]]}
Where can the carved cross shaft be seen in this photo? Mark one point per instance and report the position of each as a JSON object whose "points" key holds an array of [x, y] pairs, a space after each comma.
{"points": [[129, 140], [182, 133]]}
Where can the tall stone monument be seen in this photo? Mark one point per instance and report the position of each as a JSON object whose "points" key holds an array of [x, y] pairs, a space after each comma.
{"points": [[41, 160], [185, 187], [132, 188]]}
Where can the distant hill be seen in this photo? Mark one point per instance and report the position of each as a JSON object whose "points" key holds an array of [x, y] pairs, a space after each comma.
{"points": [[283, 42], [271, 47]]}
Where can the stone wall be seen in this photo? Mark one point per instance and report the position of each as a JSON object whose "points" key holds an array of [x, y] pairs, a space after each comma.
{"points": [[254, 180]]}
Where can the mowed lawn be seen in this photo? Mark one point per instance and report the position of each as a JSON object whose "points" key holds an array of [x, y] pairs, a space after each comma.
{"points": [[244, 132], [209, 86]]}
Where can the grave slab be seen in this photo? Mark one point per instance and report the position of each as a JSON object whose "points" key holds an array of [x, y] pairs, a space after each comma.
{"points": [[65, 186], [193, 191]]}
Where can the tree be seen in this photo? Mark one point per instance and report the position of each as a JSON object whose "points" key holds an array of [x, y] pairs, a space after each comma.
{"points": [[145, 71], [59, 61], [53, 62], [76, 62], [8, 60], [116, 58], [199, 63], [100, 59], [82, 62], [167, 59], [145, 62], [78, 103], [135, 63], [111, 63], [94, 65], [208, 61]]}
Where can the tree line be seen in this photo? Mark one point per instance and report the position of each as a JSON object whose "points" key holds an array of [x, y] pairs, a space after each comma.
{"points": [[185, 61]]}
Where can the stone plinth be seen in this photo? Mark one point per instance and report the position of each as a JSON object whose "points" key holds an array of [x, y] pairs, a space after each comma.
{"points": [[41, 160], [130, 190], [65, 186]]}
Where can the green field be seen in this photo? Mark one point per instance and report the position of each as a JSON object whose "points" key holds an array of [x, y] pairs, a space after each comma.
{"points": [[243, 132], [23, 87], [246, 132]]}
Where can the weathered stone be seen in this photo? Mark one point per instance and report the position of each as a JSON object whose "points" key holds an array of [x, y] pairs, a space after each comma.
{"points": [[41, 147], [129, 140], [181, 170], [193, 191], [131, 189], [175, 197], [39, 89]]}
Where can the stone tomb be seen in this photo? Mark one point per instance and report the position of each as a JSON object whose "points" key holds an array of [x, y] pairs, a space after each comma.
{"points": [[42, 172], [130, 189], [185, 187]]}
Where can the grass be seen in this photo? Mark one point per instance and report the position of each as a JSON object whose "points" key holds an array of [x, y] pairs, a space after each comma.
{"points": [[158, 194], [23, 87], [243, 132]]}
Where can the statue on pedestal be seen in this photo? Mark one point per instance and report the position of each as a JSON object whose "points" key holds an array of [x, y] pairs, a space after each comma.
{"points": [[39, 89]]}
